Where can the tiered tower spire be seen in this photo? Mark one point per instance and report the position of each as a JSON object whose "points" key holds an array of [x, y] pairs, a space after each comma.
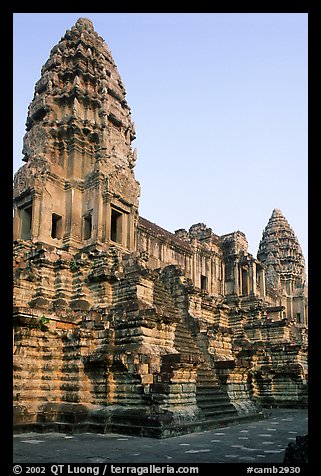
{"points": [[280, 252], [77, 149]]}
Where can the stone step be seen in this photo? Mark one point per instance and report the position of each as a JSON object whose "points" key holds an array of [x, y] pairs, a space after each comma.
{"points": [[132, 427], [184, 339], [184, 345], [218, 409], [218, 413], [208, 384], [210, 397], [210, 378], [198, 425], [214, 405]]}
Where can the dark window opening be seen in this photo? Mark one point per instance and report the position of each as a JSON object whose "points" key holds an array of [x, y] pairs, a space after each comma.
{"points": [[298, 317], [116, 226], [245, 289], [203, 282], [56, 226], [228, 271], [87, 226], [26, 221], [39, 114]]}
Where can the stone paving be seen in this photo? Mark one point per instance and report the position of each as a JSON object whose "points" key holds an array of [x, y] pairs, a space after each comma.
{"points": [[254, 442]]}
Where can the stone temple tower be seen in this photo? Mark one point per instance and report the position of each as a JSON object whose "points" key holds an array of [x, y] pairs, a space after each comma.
{"points": [[77, 186], [280, 252]]}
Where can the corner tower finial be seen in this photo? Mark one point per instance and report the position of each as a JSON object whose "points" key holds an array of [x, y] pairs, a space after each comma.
{"points": [[85, 23], [277, 213]]}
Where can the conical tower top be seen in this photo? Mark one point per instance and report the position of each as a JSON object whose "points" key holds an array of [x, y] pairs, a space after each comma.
{"points": [[80, 93], [280, 251], [277, 213], [78, 185]]}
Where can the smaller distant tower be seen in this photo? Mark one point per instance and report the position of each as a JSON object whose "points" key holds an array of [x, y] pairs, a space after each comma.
{"points": [[280, 252]]}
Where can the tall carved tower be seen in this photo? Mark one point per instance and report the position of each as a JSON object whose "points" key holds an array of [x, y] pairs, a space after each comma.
{"points": [[77, 186], [280, 252]]}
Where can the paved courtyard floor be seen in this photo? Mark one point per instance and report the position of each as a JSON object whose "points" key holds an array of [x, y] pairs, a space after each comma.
{"points": [[254, 442]]}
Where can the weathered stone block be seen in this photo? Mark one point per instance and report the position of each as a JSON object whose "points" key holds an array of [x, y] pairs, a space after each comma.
{"points": [[147, 379]]}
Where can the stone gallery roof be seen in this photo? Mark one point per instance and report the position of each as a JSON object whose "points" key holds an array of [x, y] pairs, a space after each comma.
{"points": [[162, 233]]}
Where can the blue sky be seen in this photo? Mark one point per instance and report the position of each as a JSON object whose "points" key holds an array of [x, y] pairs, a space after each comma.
{"points": [[220, 105]]}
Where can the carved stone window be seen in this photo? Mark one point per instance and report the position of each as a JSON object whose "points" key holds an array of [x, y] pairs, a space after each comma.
{"points": [[116, 226], [26, 221], [229, 271], [87, 226], [245, 284], [204, 282], [56, 226]]}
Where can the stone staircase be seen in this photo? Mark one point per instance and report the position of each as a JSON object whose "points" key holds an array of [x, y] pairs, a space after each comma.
{"points": [[211, 398], [213, 401]]}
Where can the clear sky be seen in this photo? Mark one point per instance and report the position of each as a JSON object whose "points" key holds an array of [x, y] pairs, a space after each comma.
{"points": [[220, 105]]}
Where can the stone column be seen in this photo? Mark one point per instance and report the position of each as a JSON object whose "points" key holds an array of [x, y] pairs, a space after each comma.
{"points": [[212, 276], [36, 216], [236, 277], [98, 219], [130, 231], [104, 236], [108, 220], [16, 224], [305, 314], [75, 159], [262, 283], [73, 216], [290, 307], [222, 278], [194, 263], [161, 251], [253, 278]]}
